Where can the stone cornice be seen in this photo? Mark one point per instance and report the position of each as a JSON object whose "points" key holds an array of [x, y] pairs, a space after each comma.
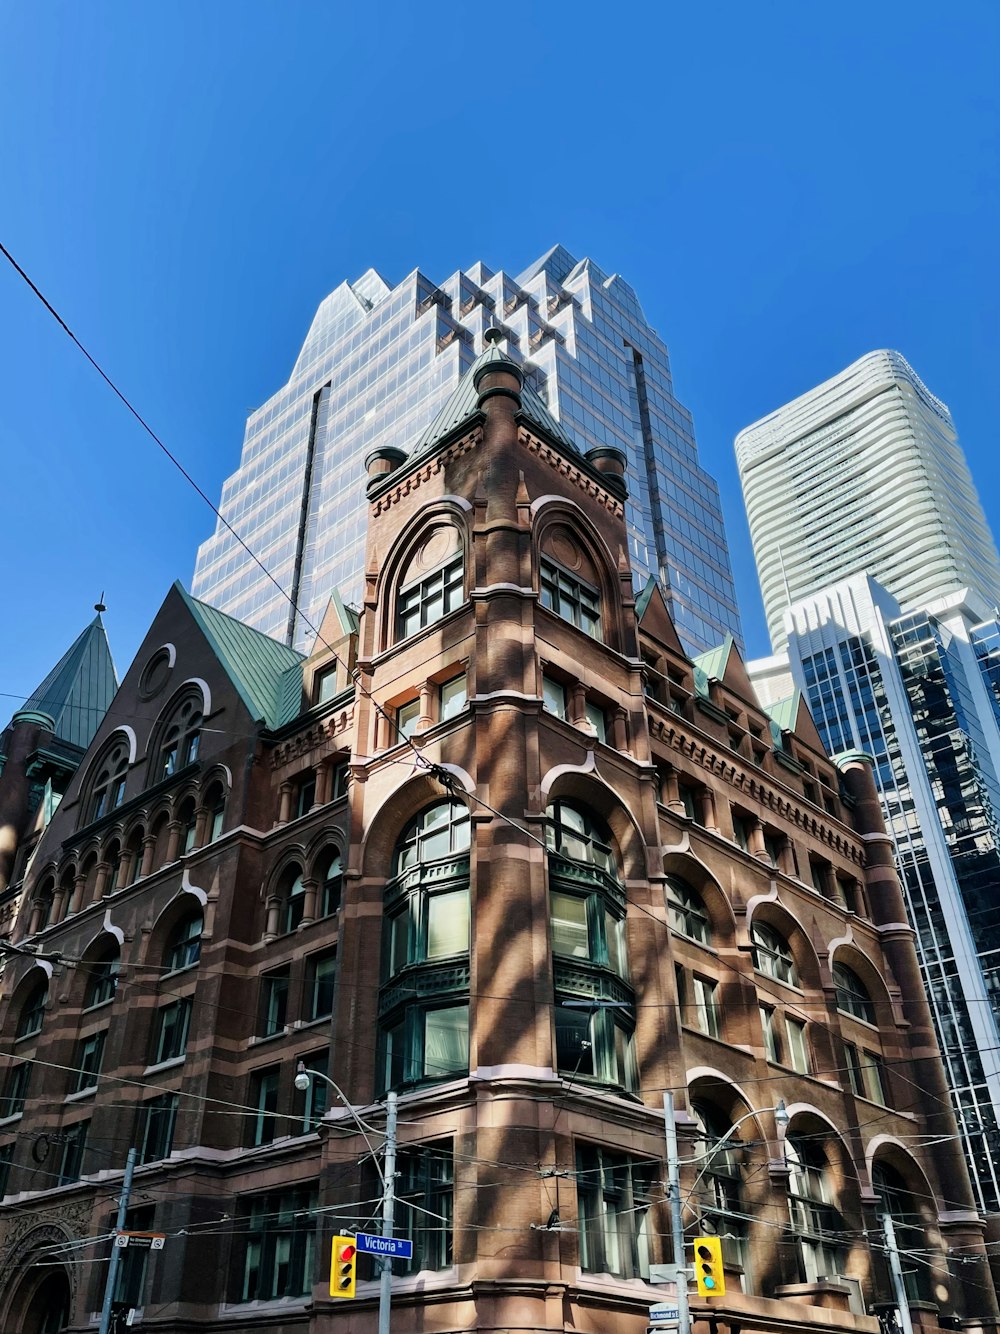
{"points": [[573, 470], [428, 468], [750, 784]]}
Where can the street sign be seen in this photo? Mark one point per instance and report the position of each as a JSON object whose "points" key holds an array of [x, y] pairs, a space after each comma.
{"points": [[664, 1311], [394, 1247], [150, 1241]]}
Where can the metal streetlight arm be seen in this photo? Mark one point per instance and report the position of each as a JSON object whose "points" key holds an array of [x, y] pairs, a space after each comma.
{"points": [[303, 1076]]}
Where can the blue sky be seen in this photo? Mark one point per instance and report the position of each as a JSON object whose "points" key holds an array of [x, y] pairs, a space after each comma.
{"points": [[786, 185]]}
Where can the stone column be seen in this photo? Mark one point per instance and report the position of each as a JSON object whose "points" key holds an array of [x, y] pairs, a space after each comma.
{"points": [[173, 840], [619, 730], [36, 917], [426, 716], [309, 901], [201, 817], [322, 772], [76, 898], [148, 848], [284, 803], [577, 704], [273, 917], [101, 882], [708, 816], [755, 843], [672, 792], [58, 905], [786, 857]]}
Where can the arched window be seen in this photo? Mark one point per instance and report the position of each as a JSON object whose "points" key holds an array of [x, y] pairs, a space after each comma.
{"points": [[293, 898], [331, 882], [215, 804], [183, 948], [572, 598], [594, 1005], [579, 836], [718, 1193], [113, 860], [772, 954], [42, 905], [896, 1199], [424, 1032], [687, 912], [433, 583], [108, 791], [188, 822], [814, 1217], [102, 982], [181, 740], [852, 994], [134, 854], [33, 1011]]}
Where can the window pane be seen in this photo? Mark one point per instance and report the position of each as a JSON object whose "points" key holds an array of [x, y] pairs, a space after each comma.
{"points": [[570, 935], [574, 1044], [453, 697], [448, 924], [554, 696], [446, 1041]]}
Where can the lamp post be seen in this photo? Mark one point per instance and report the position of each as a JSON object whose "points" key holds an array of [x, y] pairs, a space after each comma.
{"points": [[674, 1192], [303, 1076]]}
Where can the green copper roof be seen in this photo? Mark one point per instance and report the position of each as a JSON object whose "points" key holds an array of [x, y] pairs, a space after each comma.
{"points": [[642, 601], [267, 674], [711, 665], [80, 687], [463, 405], [785, 711]]}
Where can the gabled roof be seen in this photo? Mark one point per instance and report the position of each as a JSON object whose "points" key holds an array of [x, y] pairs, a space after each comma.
{"points": [[463, 406], [711, 665], [654, 617], [267, 673], [80, 687]]}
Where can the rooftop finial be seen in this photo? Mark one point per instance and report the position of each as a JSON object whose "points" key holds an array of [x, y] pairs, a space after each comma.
{"points": [[493, 335], [99, 604]]}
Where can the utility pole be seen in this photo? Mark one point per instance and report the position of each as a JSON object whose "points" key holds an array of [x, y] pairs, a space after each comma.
{"points": [[116, 1251], [892, 1255], [676, 1223], [388, 1213]]}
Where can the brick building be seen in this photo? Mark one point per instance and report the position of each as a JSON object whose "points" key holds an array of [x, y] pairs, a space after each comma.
{"points": [[496, 844]]}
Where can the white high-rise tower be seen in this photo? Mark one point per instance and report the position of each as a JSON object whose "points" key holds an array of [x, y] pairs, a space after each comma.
{"points": [[864, 474]]}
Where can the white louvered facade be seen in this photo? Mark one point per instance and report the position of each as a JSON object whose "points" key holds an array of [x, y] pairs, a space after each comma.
{"points": [[863, 474]]}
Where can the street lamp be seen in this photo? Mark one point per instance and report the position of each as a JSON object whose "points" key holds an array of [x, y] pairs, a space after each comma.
{"points": [[303, 1076], [781, 1120]]}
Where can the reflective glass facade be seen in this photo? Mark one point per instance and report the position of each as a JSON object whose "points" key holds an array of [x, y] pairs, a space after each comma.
{"points": [[918, 694], [378, 364]]}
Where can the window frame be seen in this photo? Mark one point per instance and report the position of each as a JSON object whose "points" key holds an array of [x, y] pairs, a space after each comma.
{"points": [[32, 1016], [277, 1222], [315, 985], [417, 597], [88, 1058], [15, 1089], [425, 1205], [612, 1189], [263, 1089], [683, 915], [853, 997], [161, 1110], [774, 958], [181, 1007], [179, 946], [569, 597]]}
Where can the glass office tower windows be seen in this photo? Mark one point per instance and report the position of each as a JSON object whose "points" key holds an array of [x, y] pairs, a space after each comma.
{"points": [[378, 365]]}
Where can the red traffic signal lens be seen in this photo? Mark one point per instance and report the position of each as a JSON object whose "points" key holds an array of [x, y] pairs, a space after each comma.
{"points": [[347, 1252]]}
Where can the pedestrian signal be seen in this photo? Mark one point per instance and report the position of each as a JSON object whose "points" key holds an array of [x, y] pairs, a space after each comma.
{"points": [[708, 1269], [345, 1260]]}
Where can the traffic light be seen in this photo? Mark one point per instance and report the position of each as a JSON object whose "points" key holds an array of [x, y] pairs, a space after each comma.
{"points": [[345, 1260], [708, 1269]]}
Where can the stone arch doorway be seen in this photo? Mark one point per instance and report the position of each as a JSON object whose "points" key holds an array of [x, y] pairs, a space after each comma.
{"points": [[41, 1304]]}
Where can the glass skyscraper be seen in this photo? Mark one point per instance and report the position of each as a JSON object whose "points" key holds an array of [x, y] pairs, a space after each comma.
{"points": [[864, 474], [919, 692], [378, 364]]}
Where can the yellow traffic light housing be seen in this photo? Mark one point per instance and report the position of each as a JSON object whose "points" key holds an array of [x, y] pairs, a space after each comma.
{"points": [[708, 1270], [342, 1271]]}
